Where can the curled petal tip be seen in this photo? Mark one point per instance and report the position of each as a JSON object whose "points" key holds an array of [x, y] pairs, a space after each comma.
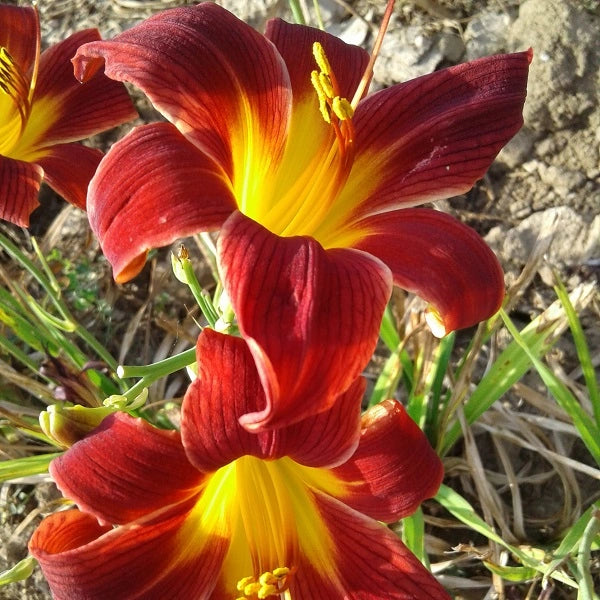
{"points": [[435, 322]]}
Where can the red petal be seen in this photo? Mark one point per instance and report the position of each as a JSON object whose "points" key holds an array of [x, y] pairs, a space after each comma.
{"points": [[445, 262], [372, 563], [222, 83], [77, 111], [19, 34], [393, 469], [126, 469], [330, 437], [68, 169], [434, 136], [19, 186], [151, 560], [310, 317], [228, 387], [152, 188]]}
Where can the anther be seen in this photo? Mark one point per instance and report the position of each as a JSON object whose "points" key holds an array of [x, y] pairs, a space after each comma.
{"points": [[266, 591], [281, 572], [326, 85], [252, 588], [321, 58], [242, 583], [342, 108], [267, 578]]}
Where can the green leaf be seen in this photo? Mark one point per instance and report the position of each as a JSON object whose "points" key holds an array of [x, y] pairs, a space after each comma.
{"points": [[387, 382], [514, 574], [571, 539], [587, 428], [387, 331], [413, 535], [456, 505], [583, 351], [22, 570], [23, 467], [507, 369]]}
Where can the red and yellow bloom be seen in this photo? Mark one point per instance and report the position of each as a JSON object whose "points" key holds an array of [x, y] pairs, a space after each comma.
{"points": [[218, 512], [312, 190], [43, 109]]}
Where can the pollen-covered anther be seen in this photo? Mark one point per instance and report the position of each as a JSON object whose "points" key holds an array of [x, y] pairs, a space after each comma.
{"points": [[252, 589], [242, 583], [321, 58], [326, 84], [336, 110], [342, 108], [270, 584], [267, 591]]}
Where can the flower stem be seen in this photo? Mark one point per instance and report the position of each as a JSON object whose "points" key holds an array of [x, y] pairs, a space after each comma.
{"points": [[150, 373]]}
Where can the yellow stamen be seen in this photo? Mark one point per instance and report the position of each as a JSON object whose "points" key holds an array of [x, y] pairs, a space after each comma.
{"points": [[252, 588], [322, 96], [242, 583], [325, 81], [342, 108], [267, 578], [321, 58], [268, 584], [281, 572], [266, 591]]}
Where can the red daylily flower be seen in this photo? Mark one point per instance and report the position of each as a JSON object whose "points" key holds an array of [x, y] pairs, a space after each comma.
{"points": [[313, 198], [219, 512], [43, 109]]}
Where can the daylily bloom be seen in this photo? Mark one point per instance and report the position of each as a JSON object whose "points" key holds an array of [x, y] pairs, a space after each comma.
{"points": [[43, 108], [312, 188], [218, 512]]}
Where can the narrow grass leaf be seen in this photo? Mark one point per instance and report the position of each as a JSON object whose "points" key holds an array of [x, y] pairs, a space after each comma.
{"points": [[586, 584], [571, 539], [457, 506], [388, 332], [588, 430], [583, 351], [23, 467], [513, 574], [512, 363], [413, 535], [387, 382]]}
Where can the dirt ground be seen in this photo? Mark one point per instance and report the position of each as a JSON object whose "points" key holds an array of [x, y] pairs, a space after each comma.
{"points": [[545, 183]]}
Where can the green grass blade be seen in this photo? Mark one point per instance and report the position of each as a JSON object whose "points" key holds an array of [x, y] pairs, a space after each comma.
{"points": [[413, 535], [571, 539], [583, 351], [586, 585], [387, 382], [456, 505], [587, 428], [512, 363], [388, 332], [442, 359], [24, 467]]}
